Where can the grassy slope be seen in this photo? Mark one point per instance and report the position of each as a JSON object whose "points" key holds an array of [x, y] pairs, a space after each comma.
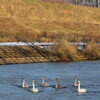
{"points": [[29, 19]]}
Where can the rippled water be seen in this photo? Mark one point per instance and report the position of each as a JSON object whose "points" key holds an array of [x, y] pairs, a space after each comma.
{"points": [[87, 72]]}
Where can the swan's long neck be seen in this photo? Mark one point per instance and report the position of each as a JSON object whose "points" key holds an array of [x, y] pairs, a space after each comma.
{"points": [[75, 81], [79, 86], [33, 86], [43, 81], [23, 82], [56, 82]]}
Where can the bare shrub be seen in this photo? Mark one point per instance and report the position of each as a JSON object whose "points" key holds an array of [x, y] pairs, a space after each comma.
{"points": [[93, 50], [66, 51]]}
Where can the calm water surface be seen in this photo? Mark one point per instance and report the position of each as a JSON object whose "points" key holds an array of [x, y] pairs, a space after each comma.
{"points": [[87, 72]]}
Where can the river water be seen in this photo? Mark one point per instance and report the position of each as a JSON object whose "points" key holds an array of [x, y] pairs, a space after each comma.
{"points": [[88, 72]]}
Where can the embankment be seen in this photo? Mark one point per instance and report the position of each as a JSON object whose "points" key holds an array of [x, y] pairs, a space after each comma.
{"points": [[33, 20], [64, 52], [25, 54]]}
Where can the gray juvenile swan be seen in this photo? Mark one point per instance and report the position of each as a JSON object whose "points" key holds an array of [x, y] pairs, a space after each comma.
{"points": [[24, 85], [44, 84], [57, 83]]}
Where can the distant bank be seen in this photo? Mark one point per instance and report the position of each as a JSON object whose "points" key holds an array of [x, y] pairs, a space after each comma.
{"points": [[15, 53], [32, 52]]}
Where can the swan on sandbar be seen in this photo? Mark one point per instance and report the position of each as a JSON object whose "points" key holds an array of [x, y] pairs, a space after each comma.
{"points": [[34, 89], [44, 84], [80, 90], [24, 85]]}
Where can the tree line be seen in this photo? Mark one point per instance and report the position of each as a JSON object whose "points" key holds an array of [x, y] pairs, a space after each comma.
{"points": [[92, 3]]}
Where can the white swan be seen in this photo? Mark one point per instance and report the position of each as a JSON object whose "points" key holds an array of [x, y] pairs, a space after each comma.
{"points": [[80, 90], [35, 90], [44, 84], [24, 85], [75, 82], [57, 84]]}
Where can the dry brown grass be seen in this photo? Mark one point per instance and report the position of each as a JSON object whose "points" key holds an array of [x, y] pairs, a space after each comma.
{"points": [[92, 50], [67, 52], [29, 20]]}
